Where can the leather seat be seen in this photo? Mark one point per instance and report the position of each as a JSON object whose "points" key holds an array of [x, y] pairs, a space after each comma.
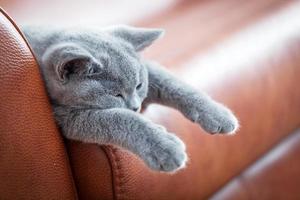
{"points": [[253, 71]]}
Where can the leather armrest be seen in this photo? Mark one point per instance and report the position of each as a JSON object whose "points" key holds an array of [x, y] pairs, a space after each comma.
{"points": [[33, 160]]}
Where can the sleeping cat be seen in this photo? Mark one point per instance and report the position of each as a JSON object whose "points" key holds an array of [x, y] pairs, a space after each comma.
{"points": [[97, 83]]}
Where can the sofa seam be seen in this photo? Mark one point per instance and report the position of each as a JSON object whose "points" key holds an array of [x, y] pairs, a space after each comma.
{"points": [[116, 172]]}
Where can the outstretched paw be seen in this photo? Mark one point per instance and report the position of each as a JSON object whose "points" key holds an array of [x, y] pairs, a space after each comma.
{"points": [[216, 118]]}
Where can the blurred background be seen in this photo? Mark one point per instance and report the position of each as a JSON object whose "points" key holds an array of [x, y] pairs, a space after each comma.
{"points": [[199, 33], [192, 25]]}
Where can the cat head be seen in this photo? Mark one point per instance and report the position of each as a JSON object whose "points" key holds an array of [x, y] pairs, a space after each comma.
{"points": [[101, 69]]}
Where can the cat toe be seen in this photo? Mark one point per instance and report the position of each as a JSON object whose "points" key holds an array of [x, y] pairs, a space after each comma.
{"points": [[230, 127]]}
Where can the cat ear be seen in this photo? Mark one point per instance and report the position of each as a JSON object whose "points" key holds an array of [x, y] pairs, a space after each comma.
{"points": [[69, 59], [140, 38]]}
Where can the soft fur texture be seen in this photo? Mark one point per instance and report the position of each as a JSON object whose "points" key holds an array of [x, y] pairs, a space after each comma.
{"points": [[97, 83]]}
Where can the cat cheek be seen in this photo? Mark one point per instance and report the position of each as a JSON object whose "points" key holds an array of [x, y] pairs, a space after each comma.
{"points": [[119, 103]]}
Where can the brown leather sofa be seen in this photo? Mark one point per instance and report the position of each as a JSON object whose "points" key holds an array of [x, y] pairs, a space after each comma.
{"points": [[254, 71]]}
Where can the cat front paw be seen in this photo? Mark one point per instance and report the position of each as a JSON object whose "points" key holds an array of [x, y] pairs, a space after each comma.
{"points": [[166, 153], [215, 118]]}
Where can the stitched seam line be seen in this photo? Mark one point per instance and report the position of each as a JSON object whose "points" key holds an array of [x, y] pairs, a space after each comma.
{"points": [[116, 171]]}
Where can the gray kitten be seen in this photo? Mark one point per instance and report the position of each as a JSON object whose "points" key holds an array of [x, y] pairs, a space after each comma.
{"points": [[97, 82]]}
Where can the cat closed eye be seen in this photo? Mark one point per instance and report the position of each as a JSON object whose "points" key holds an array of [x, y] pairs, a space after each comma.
{"points": [[119, 95], [139, 86]]}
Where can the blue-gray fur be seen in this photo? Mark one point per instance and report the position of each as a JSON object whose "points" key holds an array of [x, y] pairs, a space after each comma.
{"points": [[97, 81]]}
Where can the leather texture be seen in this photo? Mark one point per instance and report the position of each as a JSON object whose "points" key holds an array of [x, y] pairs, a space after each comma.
{"points": [[92, 170], [274, 176], [236, 59], [33, 159]]}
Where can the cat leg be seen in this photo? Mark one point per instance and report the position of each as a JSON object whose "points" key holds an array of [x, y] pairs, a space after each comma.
{"points": [[159, 149], [196, 106]]}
